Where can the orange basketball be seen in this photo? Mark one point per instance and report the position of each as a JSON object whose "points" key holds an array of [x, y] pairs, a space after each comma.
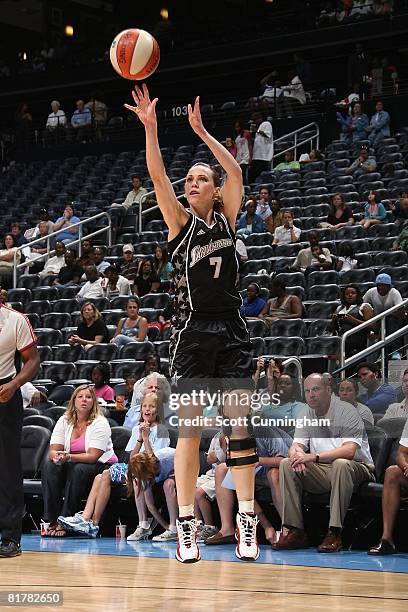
{"points": [[134, 54]]}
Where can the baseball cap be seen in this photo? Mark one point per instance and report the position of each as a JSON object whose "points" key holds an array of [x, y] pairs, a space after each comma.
{"points": [[383, 279], [128, 247]]}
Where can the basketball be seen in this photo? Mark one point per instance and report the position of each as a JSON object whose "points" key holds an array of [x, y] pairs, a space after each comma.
{"points": [[134, 54]]}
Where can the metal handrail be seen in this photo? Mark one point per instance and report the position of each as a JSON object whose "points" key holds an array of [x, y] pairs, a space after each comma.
{"points": [[381, 344], [297, 144], [298, 365], [78, 240]]}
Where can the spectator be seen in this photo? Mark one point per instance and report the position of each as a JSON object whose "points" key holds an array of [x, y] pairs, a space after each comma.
{"points": [[55, 263], [7, 261], [91, 329], [135, 195], [100, 376], [161, 264], [262, 204], [71, 272], [153, 382], [348, 392], [262, 152], [81, 122], [363, 164], [33, 253], [267, 374], [80, 448], [319, 261], [305, 257], [306, 158], [287, 233], [132, 328], [117, 284], [92, 289], [381, 298], [345, 260], [400, 211], [395, 486], [88, 256], [358, 124], [130, 381], [32, 397], [98, 109], [374, 211], [99, 260], [340, 214], [44, 216], [377, 396], [252, 304], [289, 164], [400, 409], [87, 522], [281, 304], [336, 458], [379, 127], [242, 253], [401, 243], [129, 267], [275, 219], [15, 231], [352, 312], [293, 94], [249, 222], [290, 396], [147, 280], [230, 146], [56, 126], [271, 451], [146, 469], [205, 489], [63, 225], [243, 144]]}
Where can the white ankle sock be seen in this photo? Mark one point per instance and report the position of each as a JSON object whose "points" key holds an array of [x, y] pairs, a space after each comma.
{"points": [[186, 511], [144, 524], [173, 528], [246, 506]]}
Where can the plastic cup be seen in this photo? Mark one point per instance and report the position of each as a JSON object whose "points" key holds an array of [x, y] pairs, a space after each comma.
{"points": [[44, 528], [121, 531]]}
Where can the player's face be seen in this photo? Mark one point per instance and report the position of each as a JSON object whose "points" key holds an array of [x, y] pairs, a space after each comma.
{"points": [[199, 188]]}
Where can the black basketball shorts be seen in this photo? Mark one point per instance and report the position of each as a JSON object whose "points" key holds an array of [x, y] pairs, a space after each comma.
{"points": [[219, 350]]}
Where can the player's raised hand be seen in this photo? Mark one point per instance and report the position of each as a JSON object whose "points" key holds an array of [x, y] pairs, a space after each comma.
{"points": [[194, 117], [144, 109]]}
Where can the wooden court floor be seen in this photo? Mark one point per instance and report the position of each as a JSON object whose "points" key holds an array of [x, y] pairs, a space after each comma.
{"points": [[105, 583]]}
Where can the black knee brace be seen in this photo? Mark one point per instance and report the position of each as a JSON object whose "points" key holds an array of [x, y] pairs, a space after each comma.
{"points": [[239, 445]]}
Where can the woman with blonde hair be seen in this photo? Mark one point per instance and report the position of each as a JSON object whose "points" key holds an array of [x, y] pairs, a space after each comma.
{"points": [[80, 447], [91, 329], [148, 428]]}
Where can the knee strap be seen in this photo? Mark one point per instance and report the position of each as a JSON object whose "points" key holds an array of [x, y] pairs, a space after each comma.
{"points": [[238, 445]]}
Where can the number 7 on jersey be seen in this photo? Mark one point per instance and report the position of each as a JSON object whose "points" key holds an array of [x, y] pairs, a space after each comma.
{"points": [[216, 261]]}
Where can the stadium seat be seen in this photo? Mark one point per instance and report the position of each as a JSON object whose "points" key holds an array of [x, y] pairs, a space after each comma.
{"points": [[40, 307], [260, 252], [120, 438], [58, 371], [30, 412], [323, 345], [257, 346], [397, 274], [45, 353], [56, 320], [320, 310], [323, 292], [45, 293], [292, 278], [34, 442], [260, 239], [120, 368], [322, 277], [66, 305], [28, 281], [287, 327], [22, 295], [83, 371], [48, 336], [252, 266], [137, 350], [364, 275], [288, 250], [66, 352], [284, 346], [390, 258], [61, 394], [256, 328], [112, 317], [40, 420], [102, 352], [317, 327], [155, 300]]}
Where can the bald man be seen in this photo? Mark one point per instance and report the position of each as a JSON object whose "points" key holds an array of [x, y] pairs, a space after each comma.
{"points": [[325, 457]]}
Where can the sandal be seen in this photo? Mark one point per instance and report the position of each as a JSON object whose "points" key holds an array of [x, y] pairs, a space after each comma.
{"points": [[55, 531]]}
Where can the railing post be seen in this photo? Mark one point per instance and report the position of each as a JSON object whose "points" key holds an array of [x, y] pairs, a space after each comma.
{"points": [[110, 229], [383, 359], [80, 233], [295, 145]]}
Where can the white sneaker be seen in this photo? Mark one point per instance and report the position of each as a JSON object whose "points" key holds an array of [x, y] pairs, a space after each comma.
{"points": [[247, 547], [204, 532], [166, 536], [141, 533], [74, 523], [187, 550]]}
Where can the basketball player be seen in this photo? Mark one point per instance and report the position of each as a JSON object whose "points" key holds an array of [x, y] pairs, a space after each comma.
{"points": [[211, 341], [16, 334]]}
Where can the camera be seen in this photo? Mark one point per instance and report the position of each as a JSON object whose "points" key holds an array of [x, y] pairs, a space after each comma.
{"points": [[266, 364]]}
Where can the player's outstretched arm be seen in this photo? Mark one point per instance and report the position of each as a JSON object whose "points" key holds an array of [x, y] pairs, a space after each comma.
{"points": [[173, 212], [232, 188]]}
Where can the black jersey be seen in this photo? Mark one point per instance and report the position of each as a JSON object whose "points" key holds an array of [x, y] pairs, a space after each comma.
{"points": [[205, 268]]}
